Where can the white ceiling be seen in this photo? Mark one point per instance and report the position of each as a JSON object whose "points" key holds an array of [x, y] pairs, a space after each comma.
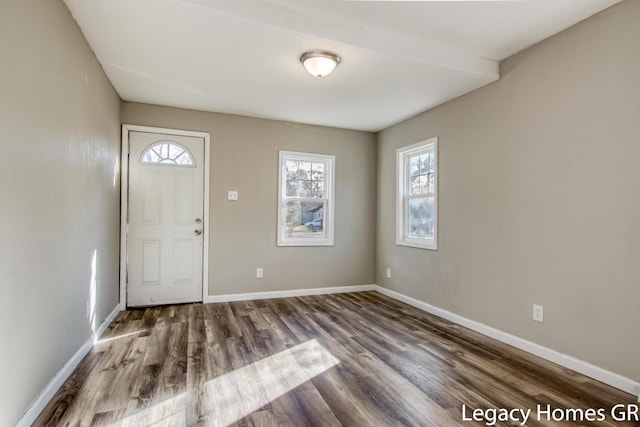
{"points": [[241, 56]]}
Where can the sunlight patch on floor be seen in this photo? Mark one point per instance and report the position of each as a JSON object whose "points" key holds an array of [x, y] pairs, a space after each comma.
{"points": [[235, 395], [170, 412], [110, 339]]}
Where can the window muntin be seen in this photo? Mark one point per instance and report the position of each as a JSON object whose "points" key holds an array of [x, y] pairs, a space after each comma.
{"points": [[167, 153], [305, 212], [416, 203]]}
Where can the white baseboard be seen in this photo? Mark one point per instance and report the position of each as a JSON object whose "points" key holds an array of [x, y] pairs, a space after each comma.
{"points": [[63, 374], [611, 378], [291, 293]]}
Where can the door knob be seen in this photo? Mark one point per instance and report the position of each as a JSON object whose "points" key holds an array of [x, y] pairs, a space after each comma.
{"points": [[198, 232]]}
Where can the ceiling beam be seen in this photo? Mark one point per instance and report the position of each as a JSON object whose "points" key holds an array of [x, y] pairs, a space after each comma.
{"points": [[341, 30]]}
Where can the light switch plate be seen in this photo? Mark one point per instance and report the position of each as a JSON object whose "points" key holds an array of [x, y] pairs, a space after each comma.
{"points": [[232, 195]]}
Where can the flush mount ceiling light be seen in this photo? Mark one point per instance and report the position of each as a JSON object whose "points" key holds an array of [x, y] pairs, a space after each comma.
{"points": [[319, 63]]}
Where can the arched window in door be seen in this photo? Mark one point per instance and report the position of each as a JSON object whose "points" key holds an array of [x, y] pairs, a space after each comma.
{"points": [[167, 153]]}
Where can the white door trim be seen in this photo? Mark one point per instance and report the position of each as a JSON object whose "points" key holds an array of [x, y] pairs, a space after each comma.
{"points": [[124, 203]]}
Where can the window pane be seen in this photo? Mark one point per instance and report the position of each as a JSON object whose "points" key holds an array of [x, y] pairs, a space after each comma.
{"points": [[318, 190], [291, 168], [430, 187], [414, 165], [151, 157], [304, 170], [420, 217], [317, 171], [292, 188], [304, 219], [418, 185], [429, 162], [174, 151], [305, 188], [183, 159]]}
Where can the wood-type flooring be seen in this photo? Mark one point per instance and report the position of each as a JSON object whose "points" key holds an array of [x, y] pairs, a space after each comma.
{"points": [[358, 359]]}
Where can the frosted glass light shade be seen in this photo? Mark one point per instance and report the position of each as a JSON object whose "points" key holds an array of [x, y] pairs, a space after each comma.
{"points": [[319, 63]]}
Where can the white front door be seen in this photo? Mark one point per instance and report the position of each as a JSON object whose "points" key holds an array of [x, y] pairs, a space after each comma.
{"points": [[165, 219]]}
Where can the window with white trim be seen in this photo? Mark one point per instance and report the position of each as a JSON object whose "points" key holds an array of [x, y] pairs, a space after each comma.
{"points": [[305, 208], [417, 195]]}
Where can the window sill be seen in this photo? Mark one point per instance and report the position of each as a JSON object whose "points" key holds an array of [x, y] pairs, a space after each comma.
{"points": [[429, 244]]}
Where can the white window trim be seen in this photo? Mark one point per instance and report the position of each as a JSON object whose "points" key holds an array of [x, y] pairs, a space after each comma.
{"points": [[329, 185], [401, 193]]}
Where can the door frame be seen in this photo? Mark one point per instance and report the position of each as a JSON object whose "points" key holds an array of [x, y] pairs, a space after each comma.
{"points": [[124, 203]]}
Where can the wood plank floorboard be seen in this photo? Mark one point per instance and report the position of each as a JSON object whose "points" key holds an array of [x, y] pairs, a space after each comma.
{"points": [[359, 359]]}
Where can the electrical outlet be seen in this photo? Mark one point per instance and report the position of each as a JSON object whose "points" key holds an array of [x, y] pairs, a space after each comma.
{"points": [[259, 273], [388, 273], [232, 195], [538, 313]]}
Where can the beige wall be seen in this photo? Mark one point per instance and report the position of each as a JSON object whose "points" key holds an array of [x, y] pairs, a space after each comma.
{"points": [[244, 157], [539, 196], [60, 139]]}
